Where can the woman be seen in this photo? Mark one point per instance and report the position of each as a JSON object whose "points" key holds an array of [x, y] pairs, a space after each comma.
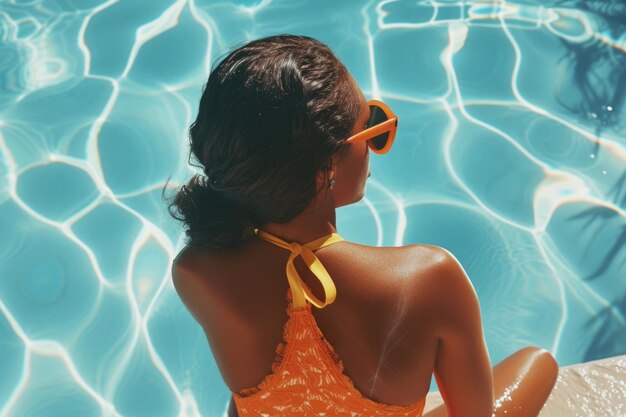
{"points": [[284, 135]]}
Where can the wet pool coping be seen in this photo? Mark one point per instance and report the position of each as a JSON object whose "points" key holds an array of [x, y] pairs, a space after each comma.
{"points": [[595, 388]]}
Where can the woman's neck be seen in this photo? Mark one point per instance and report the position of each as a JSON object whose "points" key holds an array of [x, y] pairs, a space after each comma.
{"points": [[306, 227]]}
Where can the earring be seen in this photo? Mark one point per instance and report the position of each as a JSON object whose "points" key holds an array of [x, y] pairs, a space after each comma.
{"points": [[332, 183]]}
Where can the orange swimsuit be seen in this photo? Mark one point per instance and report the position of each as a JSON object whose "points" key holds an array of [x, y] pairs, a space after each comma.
{"points": [[307, 376]]}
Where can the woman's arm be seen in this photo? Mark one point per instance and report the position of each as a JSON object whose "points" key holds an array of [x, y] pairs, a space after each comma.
{"points": [[462, 368]]}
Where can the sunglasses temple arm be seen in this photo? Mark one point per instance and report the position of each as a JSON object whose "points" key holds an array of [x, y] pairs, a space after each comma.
{"points": [[374, 130]]}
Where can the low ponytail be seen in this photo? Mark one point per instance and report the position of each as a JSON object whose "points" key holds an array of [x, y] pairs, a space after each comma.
{"points": [[211, 219]]}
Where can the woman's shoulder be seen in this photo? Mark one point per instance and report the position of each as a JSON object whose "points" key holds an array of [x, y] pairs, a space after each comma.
{"points": [[393, 271], [439, 288], [408, 260], [432, 279]]}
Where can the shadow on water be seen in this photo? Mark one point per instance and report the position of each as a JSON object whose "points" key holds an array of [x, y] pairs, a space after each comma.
{"points": [[605, 215], [599, 73], [607, 330], [598, 68]]}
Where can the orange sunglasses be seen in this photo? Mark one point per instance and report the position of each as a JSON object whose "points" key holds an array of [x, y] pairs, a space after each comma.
{"points": [[381, 128]]}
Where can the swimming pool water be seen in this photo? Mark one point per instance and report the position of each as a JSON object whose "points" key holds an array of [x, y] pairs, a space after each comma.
{"points": [[510, 153]]}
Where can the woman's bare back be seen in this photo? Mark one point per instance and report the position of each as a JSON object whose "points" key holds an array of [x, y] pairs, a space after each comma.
{"points": [[400, 312], [380, 323]]}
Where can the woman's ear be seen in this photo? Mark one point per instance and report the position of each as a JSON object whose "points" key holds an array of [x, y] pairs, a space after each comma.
{"points": [[331, 174]]}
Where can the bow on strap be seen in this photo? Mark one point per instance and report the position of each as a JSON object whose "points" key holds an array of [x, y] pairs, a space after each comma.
{"points": [[299, 290]]}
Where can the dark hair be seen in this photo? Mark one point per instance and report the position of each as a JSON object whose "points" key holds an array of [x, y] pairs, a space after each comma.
{"points": [[271, 115]]}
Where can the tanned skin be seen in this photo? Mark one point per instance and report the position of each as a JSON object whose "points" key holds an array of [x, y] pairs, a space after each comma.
{"points": [[400, 313]]}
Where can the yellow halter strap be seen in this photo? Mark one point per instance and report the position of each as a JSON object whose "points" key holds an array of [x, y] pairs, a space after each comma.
{"points": [[299, 290]]}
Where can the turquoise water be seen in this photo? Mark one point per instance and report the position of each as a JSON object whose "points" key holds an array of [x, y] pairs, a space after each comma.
{"points": [[510, 153]]}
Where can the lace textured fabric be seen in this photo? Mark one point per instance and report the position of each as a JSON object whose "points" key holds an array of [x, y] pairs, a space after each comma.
{"points": [[307, 376], [307, 379]]}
